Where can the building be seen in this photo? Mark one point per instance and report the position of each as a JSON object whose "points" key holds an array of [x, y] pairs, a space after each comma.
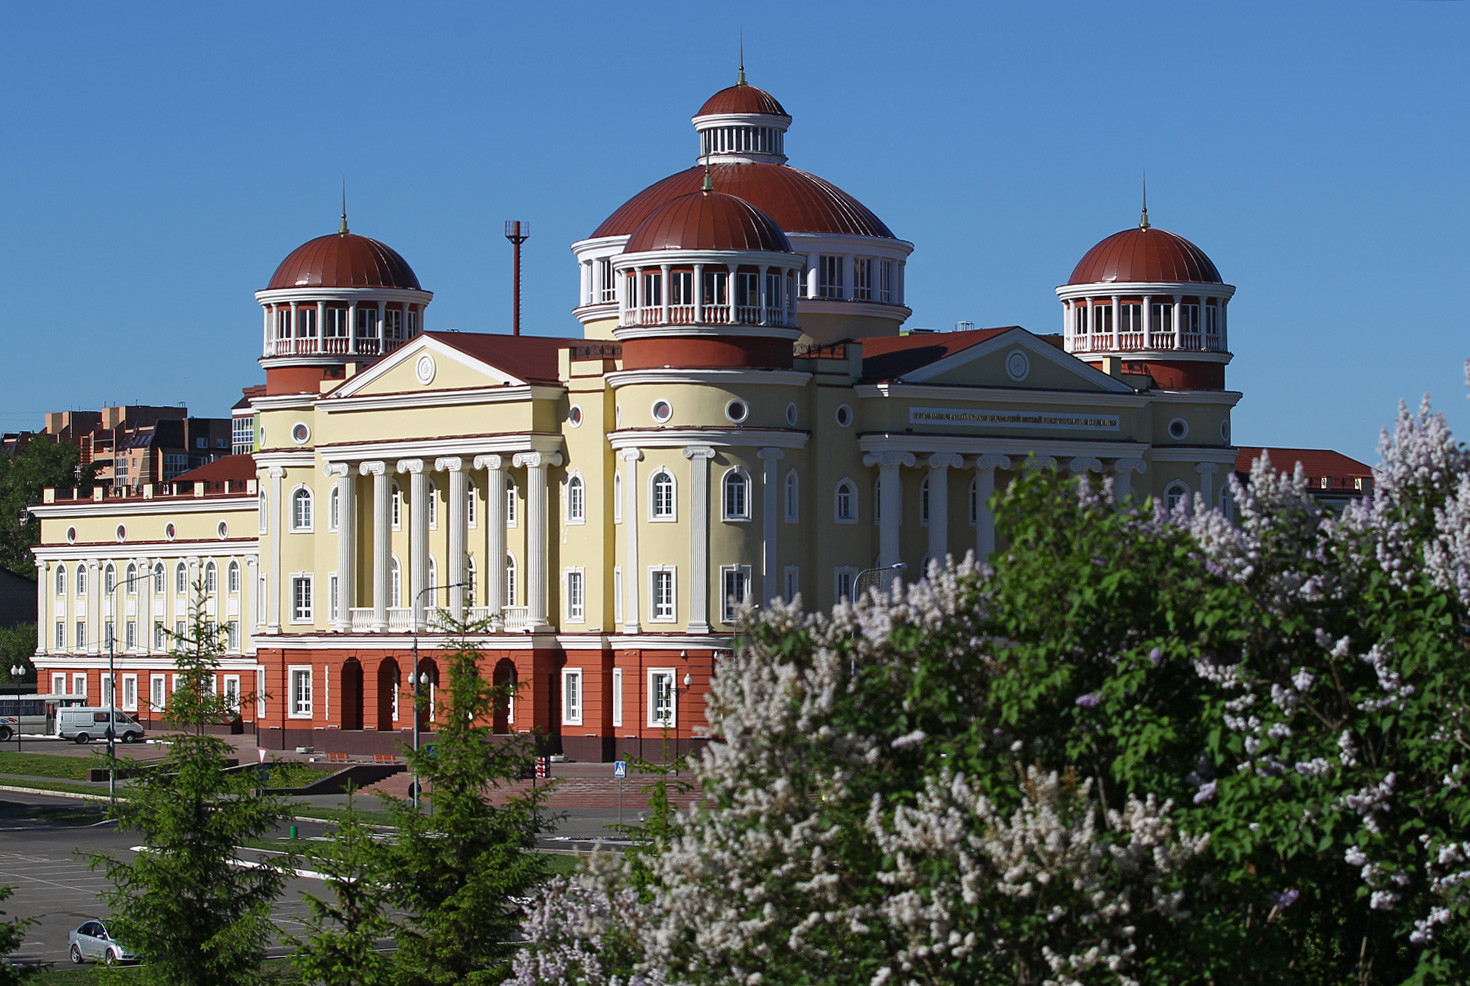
{"points": [[133, 446], [1335, 479], [742, 418]]}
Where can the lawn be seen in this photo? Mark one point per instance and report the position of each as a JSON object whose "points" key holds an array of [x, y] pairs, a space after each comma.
{"points": [[274, 971], [46, 765]]}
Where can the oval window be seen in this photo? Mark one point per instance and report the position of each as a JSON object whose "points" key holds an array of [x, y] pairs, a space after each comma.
{"points": [[791, 415], [574, 416], [122, 533], [844, 415], [169, 532], [71, 535], [223, 530]]}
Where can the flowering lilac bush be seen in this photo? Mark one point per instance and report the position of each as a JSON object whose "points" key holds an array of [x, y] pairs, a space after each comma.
{"points": [[1143, 748]]}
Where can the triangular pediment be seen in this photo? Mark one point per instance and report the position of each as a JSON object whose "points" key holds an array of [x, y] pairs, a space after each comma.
{"points": [[425, 364], [1014, 359]]}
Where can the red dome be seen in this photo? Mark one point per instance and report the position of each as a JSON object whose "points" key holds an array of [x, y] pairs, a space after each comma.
{"points": [[707, 221], [797, 201], [1144, 253], [742, 98], [344, 260]]}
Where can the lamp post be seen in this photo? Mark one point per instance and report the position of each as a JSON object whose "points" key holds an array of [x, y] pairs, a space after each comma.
{"points": [[123, 584], [857, 583], [17, 670], [416, 679]]}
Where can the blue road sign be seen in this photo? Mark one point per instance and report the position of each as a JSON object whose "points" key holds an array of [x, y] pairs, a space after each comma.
{"points": [[620, 768]]}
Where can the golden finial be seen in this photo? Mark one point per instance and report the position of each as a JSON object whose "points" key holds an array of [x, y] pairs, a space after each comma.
{"points": [[343, 230], [1143, 220], [741, 81]]}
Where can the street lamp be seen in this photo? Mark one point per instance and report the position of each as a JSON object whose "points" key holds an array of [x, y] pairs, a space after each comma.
{"points": [[857, 583], [123, 584], [417, 679], [16, 671]]}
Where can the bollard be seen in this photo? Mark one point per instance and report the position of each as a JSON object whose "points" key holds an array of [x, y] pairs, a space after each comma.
{"points": [[293, 832]]}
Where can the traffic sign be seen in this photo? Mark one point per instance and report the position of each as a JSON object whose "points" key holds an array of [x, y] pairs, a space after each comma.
{"points": [[620, 768]]}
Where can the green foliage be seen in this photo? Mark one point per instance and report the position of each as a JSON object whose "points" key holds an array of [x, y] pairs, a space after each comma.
{"points": [[652, 836], [341, 944], [23, 476], [17, 646], [456, 868], [12, 934], [184, 902]]}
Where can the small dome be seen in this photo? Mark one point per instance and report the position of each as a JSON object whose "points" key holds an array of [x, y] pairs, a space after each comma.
{"points": [[742, 98], [1147, 254], [707, 221], [344, 260]]}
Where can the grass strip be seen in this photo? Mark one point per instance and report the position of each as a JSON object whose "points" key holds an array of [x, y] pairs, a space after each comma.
{"points": [[46, 765]]}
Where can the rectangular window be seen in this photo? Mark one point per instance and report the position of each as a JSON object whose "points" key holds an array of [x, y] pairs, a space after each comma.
{"points": [[305, 322], [130, 693], [1163, 318], [715, 287], [617, 696], [1189, 316], [109, 634], [862, 279], [747, 289], [661, 711], [829, 277], [681, 287], [336, 324], [735, 586], [301, 599], [1212, 320], [1131, 317], [79, 683], [576, 596], [58, 684], [260, 696], [392, 324], [179, 639], [81, 635], [792, 579], [1102, 319], [232, 579], [617, 594], [61, 636], [510, 504], [232, 636], [775, 293], [160, 637], [605, 283], [232, 692], [300, 692], [157, 693], [886, 283], [846, 582], [367, 323], [130, 635], [413, 322], [571, 696], [653, 289], [106, 693], [332, 596], [661, 595]]}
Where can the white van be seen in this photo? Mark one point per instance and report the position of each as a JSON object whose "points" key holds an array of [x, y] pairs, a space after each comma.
{"points": [[93, 722]]}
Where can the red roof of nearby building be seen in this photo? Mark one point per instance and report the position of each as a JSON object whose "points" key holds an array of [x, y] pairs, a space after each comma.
{"points": [[530, 358], [890, 357], [708, 221], [799, 202], [344, 260], [234, 468], [1315, 462], [1145, 253], [742, 98]]}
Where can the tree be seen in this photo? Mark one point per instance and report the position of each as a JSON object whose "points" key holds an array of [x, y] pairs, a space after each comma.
{"points": [[1142, 748], [24, 475], [186, 902], [12, 934], [17, 646], [457, 869]]}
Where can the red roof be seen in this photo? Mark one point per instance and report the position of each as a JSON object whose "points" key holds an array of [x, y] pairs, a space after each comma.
{"points": [[234, 468], [529, 358], [344, 260], [1145, 253], [890, 357], [708, 221], [1315, 462], [797, 201], [742, 98]]}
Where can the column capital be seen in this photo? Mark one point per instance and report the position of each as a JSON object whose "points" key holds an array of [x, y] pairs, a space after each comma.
{"points": [[1125, 466], [1207, 468], [992, 460], [338, 469], [494, 462], [692, 452], [945, 460], [276, 472], [534, 460], [886, 460], [634, 454], [449, 463], [377, 468], [770, 453], [414, 466], [1084, 463]]}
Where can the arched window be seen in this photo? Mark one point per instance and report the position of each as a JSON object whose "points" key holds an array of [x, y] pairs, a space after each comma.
{"points": [[432, 598], [735, 501], [262, 511], [793, 496], [924, 505], [661, 495], [130, 580], [109, 579], [211, 578], [397, 507], [471, 515], [1227, 502], [433, 507], [181, 579], [334, 509], [395, 584], [469, 591], [81, 579], [160, 579], [617, 497], [510, 502], [301, 509], [576, 500], [232, 578], [510, 580], [1174, 493], [61, 580], [844, 506]]}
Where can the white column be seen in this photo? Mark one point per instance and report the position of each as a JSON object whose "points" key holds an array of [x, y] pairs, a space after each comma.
{"points": [[94, 607], [939, 466], [382, 533], [1178, 302], [458, 529], [346, 544], [699, 458], [351, 329], [890, 493], [43, 619], [632, 575], [418, 535], [321, 326], [663, 293], [1207, 471], [537, 478], [382, 331], [494, 535], [770, 488], [248, 591], [1116, 322], [985, 467], [276, 529], [1148, 321], [1123, 484], [698, 294]]}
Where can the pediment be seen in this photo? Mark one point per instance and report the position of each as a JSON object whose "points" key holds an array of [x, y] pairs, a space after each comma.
{"points": [[1015, 359], [425, 365]]}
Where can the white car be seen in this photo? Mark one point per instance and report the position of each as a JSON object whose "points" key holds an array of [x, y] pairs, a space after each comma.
{"points": [[9, 726], [92, 942]]}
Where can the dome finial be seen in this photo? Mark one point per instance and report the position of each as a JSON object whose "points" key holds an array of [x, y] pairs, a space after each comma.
{"points": [[343, 229], [741, 80], [709, 184], [1143, 220]]}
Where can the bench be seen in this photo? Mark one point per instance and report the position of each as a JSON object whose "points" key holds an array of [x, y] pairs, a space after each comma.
{"points": [[384, 758], [336, 758]]}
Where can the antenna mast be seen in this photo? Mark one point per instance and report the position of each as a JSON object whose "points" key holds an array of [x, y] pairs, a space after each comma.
{"points": [[517, 232]]}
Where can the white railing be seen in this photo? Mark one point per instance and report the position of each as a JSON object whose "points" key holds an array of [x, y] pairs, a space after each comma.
{"points": [[478, 613], [400, 617], [516, 617], [362, 618]]}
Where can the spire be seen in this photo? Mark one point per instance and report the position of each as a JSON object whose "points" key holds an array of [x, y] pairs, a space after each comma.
{"points": [[343, 230], [1143, 220], [741, 81]]}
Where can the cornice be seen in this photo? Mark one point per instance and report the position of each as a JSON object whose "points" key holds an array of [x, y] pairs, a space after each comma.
{"points": [[772, 378], [442, 398], [1001, 395], [431, 448], [132, 506], [1018, 447], [725, 437]]}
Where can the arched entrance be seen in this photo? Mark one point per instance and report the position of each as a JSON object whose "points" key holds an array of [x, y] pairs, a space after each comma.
{"points": [[350, 688], [504, 680], [428, 693], [388, 685]]}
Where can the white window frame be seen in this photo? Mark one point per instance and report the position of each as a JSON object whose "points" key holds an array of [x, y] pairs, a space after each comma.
{"points": [[302, 517], [232, 637], [81, 579], [851, 516], [576, 499], [232, 578], [510, 579], [211, 578], [844, 581], [231, 692], [571, 696], [655, 720], [181, 579], [1173, 493], [471, 504], [395, 506], [657, 613], [653, 500], [575, 581], [302, 613], [727, 607], [79, 683], [160, 580], [79, 638], [334, 508], [791, 582], [735, 479], [129, 693], [791, 497], [157, 692], [617, 574], [432, 506], [617, 504], [299, 704], [130, 635], [58, 682], [61, 580], [512, 511], [617, 696], [395, 582], [332, 595], [61, 635]]}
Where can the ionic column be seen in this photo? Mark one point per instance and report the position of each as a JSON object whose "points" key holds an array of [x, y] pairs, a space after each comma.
{"points": [[346, 544], [418, 535], [1123, 484], [458, 529], [1206, 471], [1148, 321], [1178, 303], [494, 535], [1082, 464], [939, 466], [42, 614], [536, 464], [770, 489], [250, 590], [94, 608], [277, 525], [985, 467], [382, 532], [1117, 321], [321, 326], [632, 577], [143, 612], [699, 458], [890, 493], [663, 293], [351, 337]]}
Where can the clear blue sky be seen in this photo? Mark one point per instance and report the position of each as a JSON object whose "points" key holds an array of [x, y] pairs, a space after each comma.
{"points": [[161, 159]]}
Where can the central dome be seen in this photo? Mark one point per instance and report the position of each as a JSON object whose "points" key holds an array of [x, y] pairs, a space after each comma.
{"points": [[742, 98], [1145, 254], [708, 221], [344, 260]]}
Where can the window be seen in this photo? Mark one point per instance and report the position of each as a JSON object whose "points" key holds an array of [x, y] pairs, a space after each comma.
{"points": [[61, 580], [396, 507], [332, 597], [433, 508], [510, 580], [606, 286], [211, 578], [130, 693], [846, 582], [1130, 318], [109, 634], [661, 710], [576, 595], [157, 692], [109, 579], [301, 599], [652, 289], [181, 579], [1212, 320], [160, 637], [300, 690], [160, 579], [1079, 319], [395, 583], [305, 322], [470, 592], [58, 684], [661, 500], [335, 326], [792, 497], [81, 579], [232, 692], [617, 696], [130, 635], [844, 507], [736, 499], [79, 683], [232, 578], [924, 502], [887, 292], [576, 501], [367, 322], [392, 324], [829, 277], [775, 293], [471, 513], [60, 635], [262, 512], [179, 632], [1162, 317], [862, 279], [433, 579], [681, 287], [510, 503], [792, 582], [661, 595], [571, 696], [1189, 317], [974, 501], [334, 508], [301, 510], [715, 284], [1102, 319], [747, 289], [617, 593], [1174, 494], [80, 639], [735, 583], [617, 497], [877, 499]]}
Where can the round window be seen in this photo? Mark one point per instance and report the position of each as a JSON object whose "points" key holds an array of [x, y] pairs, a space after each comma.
{"points": [[1178, 428], [844, 415], [662, 411], [1225, 430], [169, 532], [574, 416], [223, 530], [791, 415], [424, 369], [737, 411], [122, 533], [71, 535], [300, 433], [1018, 365]]}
